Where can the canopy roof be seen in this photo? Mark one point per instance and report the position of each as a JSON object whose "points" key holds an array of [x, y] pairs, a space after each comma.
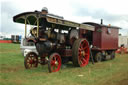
{"points": [[32, 18], [101, 25]]}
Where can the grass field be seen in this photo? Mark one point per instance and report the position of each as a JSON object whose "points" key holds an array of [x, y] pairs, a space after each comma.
{"points": [[12, 71]]}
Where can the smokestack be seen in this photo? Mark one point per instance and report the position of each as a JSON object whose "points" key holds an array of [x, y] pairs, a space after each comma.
{"points": [[101, 21]]}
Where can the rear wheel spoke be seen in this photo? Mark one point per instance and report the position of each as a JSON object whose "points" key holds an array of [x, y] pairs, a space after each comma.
{"points": [[84, 60], [81, 50]]}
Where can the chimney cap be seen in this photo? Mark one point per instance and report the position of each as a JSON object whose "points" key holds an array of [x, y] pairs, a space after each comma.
{"points": [[45, 9]]}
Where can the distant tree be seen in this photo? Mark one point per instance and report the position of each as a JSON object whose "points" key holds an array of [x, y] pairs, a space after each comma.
{"points": [[120, 34]]}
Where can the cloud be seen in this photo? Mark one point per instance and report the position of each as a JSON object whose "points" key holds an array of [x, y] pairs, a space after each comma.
{"points": [[102, 14], [83, 10], [74, 10], [94, 11], [8, 10]]}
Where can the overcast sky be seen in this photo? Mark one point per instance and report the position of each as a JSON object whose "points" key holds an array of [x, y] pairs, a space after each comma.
{"points": [[114, 12]]}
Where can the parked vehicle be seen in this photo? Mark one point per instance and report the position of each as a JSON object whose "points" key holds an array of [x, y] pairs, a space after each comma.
{"points": [[27, 47], [62, 41]]}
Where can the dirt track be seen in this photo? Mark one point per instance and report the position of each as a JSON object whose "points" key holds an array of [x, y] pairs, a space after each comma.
{"points": [[123, 82], [118, 79]]}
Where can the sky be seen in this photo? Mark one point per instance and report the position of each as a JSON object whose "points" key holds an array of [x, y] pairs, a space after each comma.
{"points": [[114, 12]]}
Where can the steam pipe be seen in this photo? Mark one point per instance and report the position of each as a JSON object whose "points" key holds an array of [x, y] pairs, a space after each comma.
{"points": [[101, 21]]}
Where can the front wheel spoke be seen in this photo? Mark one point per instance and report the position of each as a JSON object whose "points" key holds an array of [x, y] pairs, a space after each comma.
{"points": [[34, 59], [52, 68], [28, 61], [53, 62], [55, 59], [30, 65], [30, 58], [55, 66]]}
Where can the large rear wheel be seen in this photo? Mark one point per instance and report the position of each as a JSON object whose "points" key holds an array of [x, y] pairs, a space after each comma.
{"points": [[54, 62], [80, 52]]}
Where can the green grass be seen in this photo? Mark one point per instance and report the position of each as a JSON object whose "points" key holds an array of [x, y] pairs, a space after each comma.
{"points": [[12, 71]]}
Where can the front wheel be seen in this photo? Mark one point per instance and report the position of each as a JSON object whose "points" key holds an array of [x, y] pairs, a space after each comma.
{"points": [[54, 62], [31, 60]]}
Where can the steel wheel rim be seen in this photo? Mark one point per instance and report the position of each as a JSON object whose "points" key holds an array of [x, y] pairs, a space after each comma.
{"points": [[55, 63], [84, 53]]}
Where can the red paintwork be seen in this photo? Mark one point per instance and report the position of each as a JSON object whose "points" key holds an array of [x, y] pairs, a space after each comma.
{"points": [[104, 40], [5, 41], [109, 41], [104, 37], [65, 52], [96, 38], [55, 63], [84, 53]]}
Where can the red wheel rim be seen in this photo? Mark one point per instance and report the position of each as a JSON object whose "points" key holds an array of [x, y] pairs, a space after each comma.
{"points": [[32, 61], [55, 63], [84, 53]]}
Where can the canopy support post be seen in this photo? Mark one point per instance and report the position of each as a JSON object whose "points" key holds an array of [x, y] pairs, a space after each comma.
{"points": [[37, 27], [25, 27]]}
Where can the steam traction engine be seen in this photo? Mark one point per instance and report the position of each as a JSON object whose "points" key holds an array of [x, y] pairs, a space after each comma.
{"points": [[59, 41]]}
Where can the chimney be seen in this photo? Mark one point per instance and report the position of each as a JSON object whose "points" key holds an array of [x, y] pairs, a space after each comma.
{"points": [[101, 21]]}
